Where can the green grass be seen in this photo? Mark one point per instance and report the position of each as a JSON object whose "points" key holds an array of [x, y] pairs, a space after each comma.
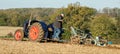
{"points": [[6, 36]]}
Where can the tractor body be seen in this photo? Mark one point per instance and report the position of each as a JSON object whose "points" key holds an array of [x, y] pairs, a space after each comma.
{"points": [[26, 27], [35, 30]]}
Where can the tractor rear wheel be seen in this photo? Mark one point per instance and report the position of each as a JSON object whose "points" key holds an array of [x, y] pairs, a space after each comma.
{"points": [[19, 34], [36, 32]]}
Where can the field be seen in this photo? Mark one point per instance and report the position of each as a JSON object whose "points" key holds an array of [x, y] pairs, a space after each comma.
{"points": [[4, 30], [29, 47]]}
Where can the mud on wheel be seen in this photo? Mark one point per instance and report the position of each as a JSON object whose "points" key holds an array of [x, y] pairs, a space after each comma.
{"points": [[36, 32], [19, 34]]}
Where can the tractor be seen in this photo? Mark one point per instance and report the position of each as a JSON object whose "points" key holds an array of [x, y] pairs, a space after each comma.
{"points": [[34, 30]]}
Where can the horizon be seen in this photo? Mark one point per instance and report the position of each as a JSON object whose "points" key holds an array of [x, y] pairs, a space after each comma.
{"points": [[8, 4]]}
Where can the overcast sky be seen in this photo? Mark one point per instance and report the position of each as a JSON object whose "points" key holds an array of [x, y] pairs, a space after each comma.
{"points": [[98, 4]]}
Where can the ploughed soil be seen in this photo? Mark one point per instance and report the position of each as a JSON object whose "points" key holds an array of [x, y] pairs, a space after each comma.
{"points": [[8, 46]]}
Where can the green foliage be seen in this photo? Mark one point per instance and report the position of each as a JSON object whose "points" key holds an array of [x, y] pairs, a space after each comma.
{"points": [[6, 37], [16, 17], [103, 25], [114, 13], [118, 27], [76, 16]]}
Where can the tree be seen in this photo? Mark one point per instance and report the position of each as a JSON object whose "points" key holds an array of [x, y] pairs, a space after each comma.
{"points": [[76, 16], [114, 12], [103, 25], [17, 16]]}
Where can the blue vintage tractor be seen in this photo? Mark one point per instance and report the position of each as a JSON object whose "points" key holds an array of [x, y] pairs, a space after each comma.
{"points": [[34, 30]]}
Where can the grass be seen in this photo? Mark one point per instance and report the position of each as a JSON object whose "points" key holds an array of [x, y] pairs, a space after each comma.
{"points": [[6, 36]]}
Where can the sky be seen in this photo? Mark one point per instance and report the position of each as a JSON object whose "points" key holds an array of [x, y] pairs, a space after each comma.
{"points": [[98, 4]]}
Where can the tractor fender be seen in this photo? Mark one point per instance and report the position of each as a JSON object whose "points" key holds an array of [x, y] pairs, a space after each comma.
{"points": [[44, 26]]}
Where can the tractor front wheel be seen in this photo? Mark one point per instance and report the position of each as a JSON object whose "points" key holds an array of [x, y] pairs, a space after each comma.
{"points": [[19, 34]]}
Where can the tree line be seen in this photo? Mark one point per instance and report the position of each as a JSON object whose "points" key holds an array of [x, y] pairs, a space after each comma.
{"points": [[17, 16]]}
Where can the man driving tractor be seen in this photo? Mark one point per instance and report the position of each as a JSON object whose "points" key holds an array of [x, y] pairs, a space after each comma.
{"points": [[57, 27]]}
